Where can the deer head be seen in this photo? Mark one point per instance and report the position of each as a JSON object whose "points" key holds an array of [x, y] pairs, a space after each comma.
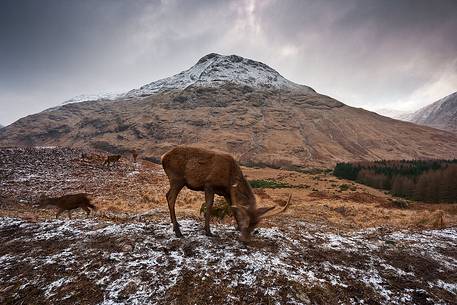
{"points": [[247, 214]]}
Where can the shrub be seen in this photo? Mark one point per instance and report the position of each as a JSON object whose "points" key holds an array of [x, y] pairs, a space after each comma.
{"points": [[220, 210], [344, 187], [400, 203], [268, 184]]}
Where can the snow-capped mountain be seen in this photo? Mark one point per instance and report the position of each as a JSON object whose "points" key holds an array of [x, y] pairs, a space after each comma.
{"points": [[210, 71], [441, 114], [236, 105], [214, 69]]}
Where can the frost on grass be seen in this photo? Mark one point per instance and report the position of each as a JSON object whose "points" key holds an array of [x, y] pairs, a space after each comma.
{"points": [[93, 262]]}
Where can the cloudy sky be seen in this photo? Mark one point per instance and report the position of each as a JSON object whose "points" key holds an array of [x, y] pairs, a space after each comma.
{"points": [[375, 54]]}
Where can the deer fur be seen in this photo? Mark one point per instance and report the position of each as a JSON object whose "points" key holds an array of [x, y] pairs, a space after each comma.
{"points": [[212, 173], [111, 159], [67, 203]]}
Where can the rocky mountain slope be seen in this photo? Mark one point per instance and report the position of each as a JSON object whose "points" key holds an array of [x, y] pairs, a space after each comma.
{"points": [[236, 105], [441, 114]]}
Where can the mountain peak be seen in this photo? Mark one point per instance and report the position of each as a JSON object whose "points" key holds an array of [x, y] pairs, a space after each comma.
{"points": [[211, 70], [441, 114], [215, 69]]}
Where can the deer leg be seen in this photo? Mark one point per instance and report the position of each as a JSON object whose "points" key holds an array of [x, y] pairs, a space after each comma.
{"points": [[172, 194], [229, 201], [69, 214], [209, 199]]}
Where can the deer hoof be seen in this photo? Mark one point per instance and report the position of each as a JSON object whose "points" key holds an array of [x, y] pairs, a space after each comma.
{"points": [[209, 234], [178, 234]]}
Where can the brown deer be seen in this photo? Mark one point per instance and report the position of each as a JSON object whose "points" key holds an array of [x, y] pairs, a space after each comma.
{"points": [[134, 155], [67, 203], [213, 173], [111, 159]]}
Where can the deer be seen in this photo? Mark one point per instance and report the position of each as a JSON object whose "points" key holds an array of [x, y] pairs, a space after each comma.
{"points": [[68, 203], [134, 155], [111, 159], [213, 173]]}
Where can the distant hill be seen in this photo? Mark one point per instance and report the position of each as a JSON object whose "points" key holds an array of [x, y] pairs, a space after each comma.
{"points": [[236, 105], [441, 114]]}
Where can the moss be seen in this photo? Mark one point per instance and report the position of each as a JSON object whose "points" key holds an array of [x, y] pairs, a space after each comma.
{"points": [[344, 187], [268, 184]]}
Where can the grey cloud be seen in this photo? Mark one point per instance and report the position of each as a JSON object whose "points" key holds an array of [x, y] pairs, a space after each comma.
{"points": [[365, 52]]}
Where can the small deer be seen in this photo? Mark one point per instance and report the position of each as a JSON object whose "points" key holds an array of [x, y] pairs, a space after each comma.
{"points": [[111, 159], [213, 173], [134, 155], [68, 203]]}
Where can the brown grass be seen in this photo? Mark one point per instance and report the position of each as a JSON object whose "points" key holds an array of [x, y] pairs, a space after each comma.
{"points": [[315, 198]]}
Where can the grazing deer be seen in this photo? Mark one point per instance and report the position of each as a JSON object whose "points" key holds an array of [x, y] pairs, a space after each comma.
{"points": [[213, 173], [67, 203], [111, 159]]}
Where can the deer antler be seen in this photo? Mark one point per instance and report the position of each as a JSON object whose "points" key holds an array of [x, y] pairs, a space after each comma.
{"points": [[266, 214]]}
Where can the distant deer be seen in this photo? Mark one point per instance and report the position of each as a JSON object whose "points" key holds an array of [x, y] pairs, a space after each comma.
{"points": [[134, 155], [213, 173], [68, 203], [111, 159]]}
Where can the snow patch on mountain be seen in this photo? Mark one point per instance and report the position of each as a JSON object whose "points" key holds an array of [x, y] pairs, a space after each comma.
{"points": [[93, 97], [214, 70], [446, 107], [210, 71], [441, 114]]}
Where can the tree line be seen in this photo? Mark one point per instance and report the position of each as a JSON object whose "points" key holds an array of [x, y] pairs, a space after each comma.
{"points": [[422, 180]]}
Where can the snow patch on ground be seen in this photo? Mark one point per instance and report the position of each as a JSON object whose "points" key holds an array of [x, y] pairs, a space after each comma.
{"points": [[142, 263]]}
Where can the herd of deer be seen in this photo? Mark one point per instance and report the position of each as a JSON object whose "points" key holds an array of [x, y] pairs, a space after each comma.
{"points": [[199, 170]]}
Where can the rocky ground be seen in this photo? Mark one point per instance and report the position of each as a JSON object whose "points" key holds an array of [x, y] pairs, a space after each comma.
{"points": [[334, 245]]}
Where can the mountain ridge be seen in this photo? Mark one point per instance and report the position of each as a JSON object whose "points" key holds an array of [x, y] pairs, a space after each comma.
{"points": [[441, 114]]}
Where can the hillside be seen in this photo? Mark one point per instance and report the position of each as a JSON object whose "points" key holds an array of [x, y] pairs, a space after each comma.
{"points": [[237, 105], [331, 246], [441, 114]]}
